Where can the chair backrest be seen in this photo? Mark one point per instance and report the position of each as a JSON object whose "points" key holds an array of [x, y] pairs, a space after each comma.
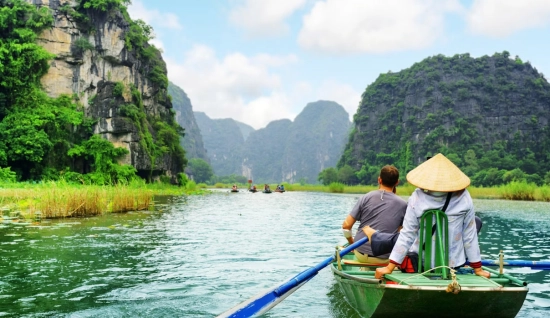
{"points": [[434, 224]]}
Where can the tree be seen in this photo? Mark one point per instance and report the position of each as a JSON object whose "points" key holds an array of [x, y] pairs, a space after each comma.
{"points": [[200, 169], [327, 176], [346, 175]]}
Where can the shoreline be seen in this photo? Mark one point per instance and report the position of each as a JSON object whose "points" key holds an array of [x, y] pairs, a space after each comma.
{"points": [[520, 191], [51, 200]]}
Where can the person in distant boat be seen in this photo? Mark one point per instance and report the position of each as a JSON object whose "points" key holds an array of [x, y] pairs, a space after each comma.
{"points": [[440, 185], [234, 187], [254, 188], [278, 188], [380, 208], [266, 188], [282, 188]]}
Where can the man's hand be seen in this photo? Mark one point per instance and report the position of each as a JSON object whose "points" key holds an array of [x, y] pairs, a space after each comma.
{"points": [[481, 272], [381, 271]]}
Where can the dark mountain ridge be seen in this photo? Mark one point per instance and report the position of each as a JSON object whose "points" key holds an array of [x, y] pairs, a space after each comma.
{"points": [[223, 141], [484, 113], [192, 141], [283, 151]]}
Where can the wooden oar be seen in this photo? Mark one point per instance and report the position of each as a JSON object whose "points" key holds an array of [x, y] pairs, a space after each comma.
{"points": [[264, 301], [541, 265]]}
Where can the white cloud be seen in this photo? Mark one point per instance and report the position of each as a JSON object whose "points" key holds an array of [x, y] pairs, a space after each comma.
{"points": [[360, 26], [341, 93], [266, 17], [235, 86], [500, 18], [153, 17]]}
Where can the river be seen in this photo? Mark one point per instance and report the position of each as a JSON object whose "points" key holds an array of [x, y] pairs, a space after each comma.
{"points": [[198, 256]]}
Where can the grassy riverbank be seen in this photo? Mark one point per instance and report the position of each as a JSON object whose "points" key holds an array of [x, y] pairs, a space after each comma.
{"points": [[511, 191], [61, 199]]}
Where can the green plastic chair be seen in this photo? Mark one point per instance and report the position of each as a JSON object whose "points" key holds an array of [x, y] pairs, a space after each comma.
{"points": [[441, 242]]}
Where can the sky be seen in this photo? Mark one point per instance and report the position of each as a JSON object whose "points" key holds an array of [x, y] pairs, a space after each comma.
{"points": [[261, 60]]}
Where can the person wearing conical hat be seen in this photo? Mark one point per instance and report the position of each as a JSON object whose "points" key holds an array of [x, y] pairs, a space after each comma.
{"points": [[436, 179]]}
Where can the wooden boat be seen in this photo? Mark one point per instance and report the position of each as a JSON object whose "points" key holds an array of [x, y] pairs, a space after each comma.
{"points": [[266, 191], [414, 295], [280, 191], [234, 190], [438, 292], [253, 190]]}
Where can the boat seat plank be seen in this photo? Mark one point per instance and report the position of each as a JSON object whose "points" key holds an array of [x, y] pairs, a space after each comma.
{"points": [[356, 262], [468, 280]]}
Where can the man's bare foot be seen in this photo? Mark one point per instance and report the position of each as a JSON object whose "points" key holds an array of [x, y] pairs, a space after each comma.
{"points": [[369, 231]]}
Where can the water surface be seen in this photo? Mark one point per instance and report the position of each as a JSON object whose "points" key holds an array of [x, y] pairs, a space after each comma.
{"points": [[198, 256]]}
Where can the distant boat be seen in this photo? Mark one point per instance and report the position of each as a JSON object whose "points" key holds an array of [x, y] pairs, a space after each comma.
{"points": [[280, 191], [234, 190], [266, 191], [253, 190]]}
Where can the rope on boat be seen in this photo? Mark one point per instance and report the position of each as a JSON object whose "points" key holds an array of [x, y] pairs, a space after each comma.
{"points": [[453, 287]]}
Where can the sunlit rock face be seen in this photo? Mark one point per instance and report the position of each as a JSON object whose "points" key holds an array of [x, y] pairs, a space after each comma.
{"points": [[90, 74]]}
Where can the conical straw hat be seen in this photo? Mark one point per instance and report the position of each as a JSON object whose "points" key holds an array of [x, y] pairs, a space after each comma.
{"points": [[438, 174]]}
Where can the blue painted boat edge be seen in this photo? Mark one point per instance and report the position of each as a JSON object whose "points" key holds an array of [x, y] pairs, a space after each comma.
{"points": [[540, 265]]}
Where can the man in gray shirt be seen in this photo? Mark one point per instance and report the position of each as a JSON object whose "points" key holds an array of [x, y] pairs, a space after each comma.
{"points": [[381, 209]]}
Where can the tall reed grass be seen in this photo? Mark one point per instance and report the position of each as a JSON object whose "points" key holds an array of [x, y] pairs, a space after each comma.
{"points": [[519, 191], [60, 199]]}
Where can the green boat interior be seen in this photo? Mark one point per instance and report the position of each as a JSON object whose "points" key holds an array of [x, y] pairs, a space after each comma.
{"points": [[351, 266], [437, 290]]}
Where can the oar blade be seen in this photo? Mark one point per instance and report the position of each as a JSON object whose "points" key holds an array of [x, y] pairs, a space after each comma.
{"points": [[259, 304], [266, 300]]}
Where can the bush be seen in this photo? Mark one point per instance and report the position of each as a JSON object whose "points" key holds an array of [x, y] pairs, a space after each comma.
{"points": [[219, 185], [191, 185], [182, 179], [83, 45], [118, 90], [336, 187], [6, 175]]}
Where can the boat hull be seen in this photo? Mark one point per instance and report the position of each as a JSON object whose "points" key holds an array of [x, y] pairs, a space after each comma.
{"points": [[381, 300]]}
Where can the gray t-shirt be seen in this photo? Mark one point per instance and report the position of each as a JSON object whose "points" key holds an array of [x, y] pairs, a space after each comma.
{"points": [[383, 211]]}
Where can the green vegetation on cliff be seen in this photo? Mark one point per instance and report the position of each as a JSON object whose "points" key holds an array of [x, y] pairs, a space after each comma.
{"points": [[489, 115], [45, 138]]}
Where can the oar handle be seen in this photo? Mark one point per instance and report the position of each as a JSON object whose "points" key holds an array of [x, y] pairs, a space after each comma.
{"points": [[312, 271]]}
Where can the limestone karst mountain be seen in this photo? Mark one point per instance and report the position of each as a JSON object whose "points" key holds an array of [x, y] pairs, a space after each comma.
{"points": [[283, 151], [102, 60], [490, 115], [192, 141]]}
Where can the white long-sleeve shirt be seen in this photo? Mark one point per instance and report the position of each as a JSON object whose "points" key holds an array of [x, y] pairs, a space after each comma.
{"points": [[462, 229]]}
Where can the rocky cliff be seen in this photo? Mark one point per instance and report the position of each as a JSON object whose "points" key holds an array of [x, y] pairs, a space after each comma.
{"points": [[192, 141], [103, 60], [223, 141], [264, 152], [484, 113], [315, 141], [283, 151]]}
